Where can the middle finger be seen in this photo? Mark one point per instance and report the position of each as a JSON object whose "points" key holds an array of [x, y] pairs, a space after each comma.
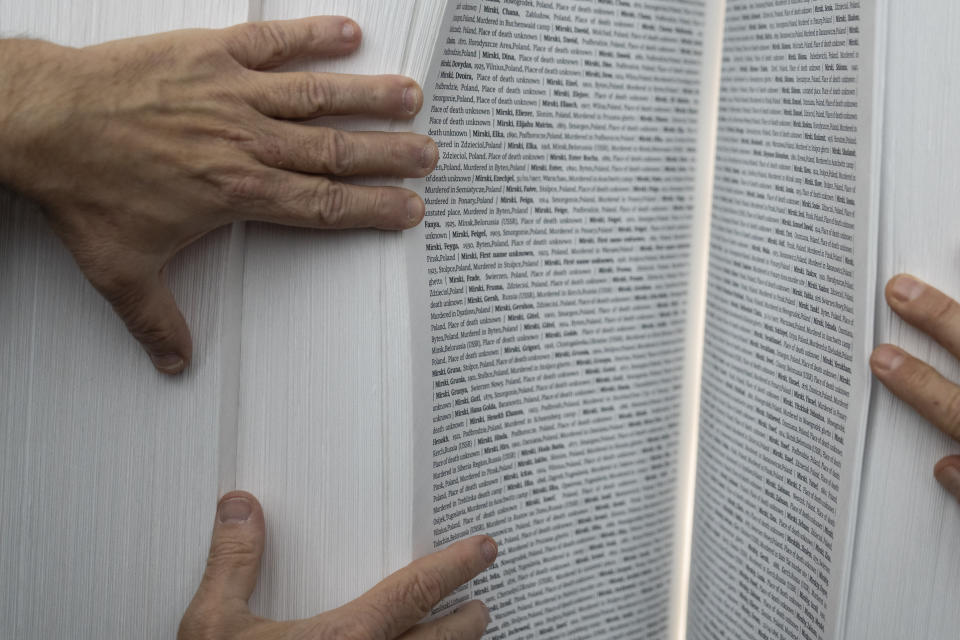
{"points": [[926, 308], [919, 385], [322, 150], [301, 95]]}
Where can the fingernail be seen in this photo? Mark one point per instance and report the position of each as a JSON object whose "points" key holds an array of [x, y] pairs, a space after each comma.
{"points": [[349, 31], [414, 209], [949, 479], [428, 157], [885, 359], [235, 510], [486, 612], [489, 551], [906, 289], [411, 99], [168, 362]]}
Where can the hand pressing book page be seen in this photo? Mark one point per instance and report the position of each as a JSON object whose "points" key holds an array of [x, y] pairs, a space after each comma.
{"points": [[575, 196], [556, 290]]}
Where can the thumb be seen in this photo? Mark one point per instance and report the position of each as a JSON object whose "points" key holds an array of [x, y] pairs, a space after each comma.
{"points": [[233, 567], [146, 305]]}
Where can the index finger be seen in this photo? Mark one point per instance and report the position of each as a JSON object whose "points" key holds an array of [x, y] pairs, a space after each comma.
{"points": [[407, 596], [919, 385], [928, 309], [264, 45]]}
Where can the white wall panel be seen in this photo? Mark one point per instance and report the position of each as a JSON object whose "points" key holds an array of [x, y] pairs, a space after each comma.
{"points": [[906, 579], [107, 469]]}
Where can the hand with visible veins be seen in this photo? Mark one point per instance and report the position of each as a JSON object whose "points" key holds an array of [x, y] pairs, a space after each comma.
{"points": [[392, 609], [136, 148], [917, 383]]}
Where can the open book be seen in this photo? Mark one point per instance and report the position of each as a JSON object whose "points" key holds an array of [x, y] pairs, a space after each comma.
{"points": [[556, 291], [629, 341]]}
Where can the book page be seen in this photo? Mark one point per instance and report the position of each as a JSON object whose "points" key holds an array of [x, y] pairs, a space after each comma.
{"points": [[322, 402], [905, 575], [789, 321], [549, 286]]}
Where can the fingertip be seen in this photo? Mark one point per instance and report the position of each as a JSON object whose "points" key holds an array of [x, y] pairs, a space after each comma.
{"points": [[947, 473], [170, 356], [429, 157], [486, 547], [350, 32], [415, 211], [885, 359], [238, 507], [237, 499], [903, 288], [890, 283], [412, 98], [169, 363], [479, 552], [949, 461], [490, 550], [148, 309], [479, 608]]}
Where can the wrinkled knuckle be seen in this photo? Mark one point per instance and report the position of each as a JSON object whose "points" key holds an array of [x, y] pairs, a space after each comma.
{"points": [[424, 590], [384, 202], [269, 38], [126, 295], [232, 133], [210, 50], [914, 377], [147, 332], [943, 313], [219, 126], [241, 185], [233, 554], [331, 202], [404, 147], [317, 95], [339, 157], [271, 151]]}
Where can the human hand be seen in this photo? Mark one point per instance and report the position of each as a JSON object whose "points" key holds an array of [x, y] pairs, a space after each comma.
{"points": [[136, 148], [917, 383], [390, 610]]}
